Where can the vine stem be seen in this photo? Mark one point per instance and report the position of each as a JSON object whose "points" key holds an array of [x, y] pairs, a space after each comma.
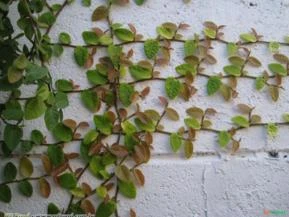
{"points": [[28, 179]]}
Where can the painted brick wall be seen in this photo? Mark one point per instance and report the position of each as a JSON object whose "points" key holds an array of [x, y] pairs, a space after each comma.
{"points": [[213, 183]]}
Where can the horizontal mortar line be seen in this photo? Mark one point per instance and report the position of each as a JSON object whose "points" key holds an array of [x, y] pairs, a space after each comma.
{"points": [[241, 153]]}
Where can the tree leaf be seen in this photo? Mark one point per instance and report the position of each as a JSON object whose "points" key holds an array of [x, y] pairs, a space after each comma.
{"points": [[272, 130], [90, 37], [139, 2], [175, 142], [172, 114], [274, 46], [106, 209], [123, 173], [25, 188], [285, 117], [9, 172], [166, 31], [190, 47], [103, 124], [173, 87], [126, 92], [186, 69], [195, 112], [81, 55], [52, 209], [12, 136], [95, 77], [127, 189], [274, 92], [124, 34], [55, 154], [193, 123], [100, 13], [90, 100], [128, 127], [232, 70], [139, 177], [224, 138], [210, 33], [63, 85], [248, 37], [277, 68], [64, 38], [62, 133], [138, 72], [46, 19], [189, 149], [5, 193], [213, 85], [240, 121], [35, 72], [25, 167], [86, 3], [259, 83], [151, 48], [34, 108], [232, 49], [101, 191], [68, 181], [51, 118]]}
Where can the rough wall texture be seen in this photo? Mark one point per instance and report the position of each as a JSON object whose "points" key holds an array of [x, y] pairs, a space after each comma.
{"points": [[213, 183]]}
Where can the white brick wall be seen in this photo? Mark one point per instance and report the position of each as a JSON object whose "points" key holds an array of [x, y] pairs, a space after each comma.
{"points": [[208, 185]]}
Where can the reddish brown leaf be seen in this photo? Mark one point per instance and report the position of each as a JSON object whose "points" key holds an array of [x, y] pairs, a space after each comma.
{"points": [[44, 187], [119, 150]]}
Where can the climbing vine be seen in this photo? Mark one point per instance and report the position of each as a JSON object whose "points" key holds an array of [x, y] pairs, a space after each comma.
{"points": [[110, 98]]}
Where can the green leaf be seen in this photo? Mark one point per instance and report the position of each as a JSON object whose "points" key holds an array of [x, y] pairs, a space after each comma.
{"points": [[139, 2], [14, 74], [193, 123], [186, 69], [248, 37], [99, 13], [46, 19], [151, 48], [103, 124], [240, 121], [190, 47], [90, 137], [37, 137], [61, 100], [277, 68], [95, 77], [90, 100], [166, 33], [126, 92], [64, 85], [81, 55], [285, 117], [25, 188], [224, 138], [43, 92], [175, 142], [9, 172], [188, 149], [13, 110], [62, 133], [259, 83], [25, 167], [55, 154], [138, 72], [210, 33], [35, 72], [173, 87], [106, 209], [232, 70], [148, 127], [64, 38], [90, 37], [128, 127], [34, 108], [123, 173], [86, 3], [51, 118], [101, 191], [274, 46], [127, 189], [124, 34], [232, 49], [5, 194], [68, 181], [77, 192], [21, 62], [114, 53], [97, 167], [272, 130], [213, 85], [52, 209], [12, 136]]}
